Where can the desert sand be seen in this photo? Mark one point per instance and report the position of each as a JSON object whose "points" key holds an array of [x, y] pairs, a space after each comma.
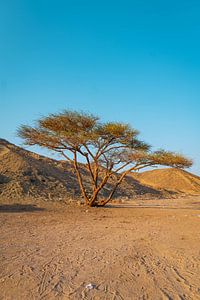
{"points": [[141, 249], [177, 180]]}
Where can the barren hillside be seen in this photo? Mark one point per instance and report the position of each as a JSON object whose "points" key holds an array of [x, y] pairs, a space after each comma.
{"points": [[171, 179], [24, 173]]}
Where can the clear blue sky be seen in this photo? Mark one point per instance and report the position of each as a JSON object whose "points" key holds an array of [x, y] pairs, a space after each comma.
{"points": [[131, 61]]}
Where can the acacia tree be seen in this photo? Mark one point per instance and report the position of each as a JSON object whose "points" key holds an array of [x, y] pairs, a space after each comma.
{"points": [[108, 149]]}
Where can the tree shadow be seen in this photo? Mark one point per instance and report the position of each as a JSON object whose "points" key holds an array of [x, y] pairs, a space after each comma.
{"points": [[4, 179], [16, 207], [157, 206]]}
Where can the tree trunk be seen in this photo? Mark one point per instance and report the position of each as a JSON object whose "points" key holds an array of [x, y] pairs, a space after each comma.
{"points": [[80, 181], [93, 201]]}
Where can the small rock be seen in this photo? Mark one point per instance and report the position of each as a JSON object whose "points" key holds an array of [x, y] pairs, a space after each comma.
{"points": [[90, 286]]}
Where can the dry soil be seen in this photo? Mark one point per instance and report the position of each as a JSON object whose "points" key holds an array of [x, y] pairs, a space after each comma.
{"points": [[134, 250]]}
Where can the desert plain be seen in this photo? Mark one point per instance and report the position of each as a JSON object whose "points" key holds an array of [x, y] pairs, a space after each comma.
{"points": [[139, 249]]}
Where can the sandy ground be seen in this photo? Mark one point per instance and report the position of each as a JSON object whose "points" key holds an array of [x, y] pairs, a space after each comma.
{"points": [[136, 250]]}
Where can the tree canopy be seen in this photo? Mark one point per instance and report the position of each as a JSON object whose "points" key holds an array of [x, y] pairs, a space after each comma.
{"points": [[107, 149]]}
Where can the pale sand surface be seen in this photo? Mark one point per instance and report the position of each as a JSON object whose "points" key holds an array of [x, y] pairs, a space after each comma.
{"points": [[135, 250]]}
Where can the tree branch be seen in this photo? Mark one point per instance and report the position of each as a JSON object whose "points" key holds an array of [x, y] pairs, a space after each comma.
{"points": [[80, 178], [94, 197], [122, 167], [66, 156], [120, 180]]}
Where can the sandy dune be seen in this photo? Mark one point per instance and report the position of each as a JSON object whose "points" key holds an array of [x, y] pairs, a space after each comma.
{"points": [[176, 180], [137, 250]]}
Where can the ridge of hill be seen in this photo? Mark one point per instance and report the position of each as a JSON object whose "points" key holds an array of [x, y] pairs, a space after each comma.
{"points": [[172, 179]]}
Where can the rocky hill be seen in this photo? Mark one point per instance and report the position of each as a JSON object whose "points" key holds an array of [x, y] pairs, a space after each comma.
{"points": [[24, 173]]}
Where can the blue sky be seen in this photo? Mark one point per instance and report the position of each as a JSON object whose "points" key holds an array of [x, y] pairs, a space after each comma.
{"points": [[129, 61]]}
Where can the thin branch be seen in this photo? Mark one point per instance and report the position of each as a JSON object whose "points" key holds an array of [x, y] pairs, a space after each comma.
{"points": [[88, 149], [107, 161], [122, 167], [120, 180], [115, 148], [103, 147], [66, 156]]}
